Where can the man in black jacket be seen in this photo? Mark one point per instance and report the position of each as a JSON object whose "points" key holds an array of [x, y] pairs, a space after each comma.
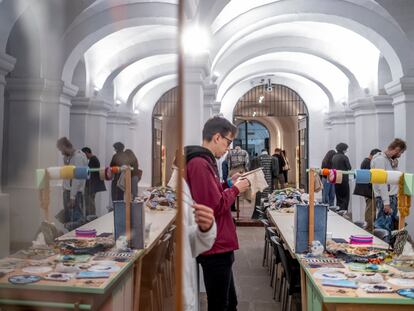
{"points": [[93, 185], [365, 190], [341, 162]]}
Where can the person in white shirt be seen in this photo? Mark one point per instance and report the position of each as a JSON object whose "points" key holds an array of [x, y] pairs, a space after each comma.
{"points": [[199, 231], [386, 195]]}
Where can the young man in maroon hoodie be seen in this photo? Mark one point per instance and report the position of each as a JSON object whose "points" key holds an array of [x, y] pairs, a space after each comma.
{"points": [[205, 186]]}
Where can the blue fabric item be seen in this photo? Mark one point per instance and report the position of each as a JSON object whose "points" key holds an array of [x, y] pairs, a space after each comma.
{"points": [[229, 182], [384, 221], [302, 226], [363, 176], [328, 192], [82, 172], [137, 222]]}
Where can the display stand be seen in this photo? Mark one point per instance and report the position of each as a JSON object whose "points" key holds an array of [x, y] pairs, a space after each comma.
{"points": [[311, 235]]}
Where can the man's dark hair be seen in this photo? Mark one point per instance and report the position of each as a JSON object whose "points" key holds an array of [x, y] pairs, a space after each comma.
{"points": [[218, 125], [86, 150], [341, 147], [64, 142], [119, 147], [374, 151], [398, 143]]}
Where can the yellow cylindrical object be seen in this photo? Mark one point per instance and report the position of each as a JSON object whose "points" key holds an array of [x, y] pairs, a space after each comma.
{"points": [[67, 172], [378, 176]]}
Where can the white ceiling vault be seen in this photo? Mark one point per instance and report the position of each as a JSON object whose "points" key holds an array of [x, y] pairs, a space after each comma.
{"points": [[128, 48]]}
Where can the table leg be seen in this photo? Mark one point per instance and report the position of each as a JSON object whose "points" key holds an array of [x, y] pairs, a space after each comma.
{"points": [[303, 292], [137, 283]]}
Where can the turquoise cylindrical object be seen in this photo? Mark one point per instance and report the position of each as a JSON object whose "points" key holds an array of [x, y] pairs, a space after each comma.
{"points": [[81, 172], [362, 176]]}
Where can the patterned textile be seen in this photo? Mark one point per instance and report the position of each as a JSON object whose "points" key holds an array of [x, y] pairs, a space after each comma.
{"points": [[238, 158]]}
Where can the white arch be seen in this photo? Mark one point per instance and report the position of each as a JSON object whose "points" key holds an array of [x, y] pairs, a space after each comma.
{"points": [[309, 66], [107, 57], [143, 71], [84, 33], [381, 31], [351, 53]]}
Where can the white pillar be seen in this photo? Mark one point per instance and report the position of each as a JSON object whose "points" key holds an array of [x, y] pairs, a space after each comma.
{"points": [[210, 94], [37, 115], [196, 72], [6, 65], [402, 93]]}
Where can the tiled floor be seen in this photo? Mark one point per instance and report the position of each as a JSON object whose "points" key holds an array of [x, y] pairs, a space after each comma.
{"points": [[252, 280]]}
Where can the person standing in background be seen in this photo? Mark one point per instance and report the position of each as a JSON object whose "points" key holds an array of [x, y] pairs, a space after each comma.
{"points": [[72, 215], [328, 191], [365, 190], [286, 167], [341, 162], [238, 160], [93, 185], [280, 178], [135, 178], [118, 159]]}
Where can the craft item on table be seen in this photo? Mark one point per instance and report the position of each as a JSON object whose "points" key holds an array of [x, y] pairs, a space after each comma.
{"points": [[339, 177], [54, 172], [393, 177], [288, 210], [115, 169], [85, 233], [301, 226], [408, 183], [370, 278], [323, 262], [362, 267], [73, 258], [108, 173], [317, 248], [12, 263], [339, 240], [104, 234], [404, 199], [85, 246], [362, 176], [34, 253], [402, 275], [401, 282], [40, 178], [340, 283], [81, 172], [6, 270], [37, 270], [67, 268], [399, 239], [67, 172], [377, 288], [329, 274], [378, 176], [406, 292], [116, 256], [325, 172], [332, 176], [58, 277], [361, 239], [24, 279], [104, 267], [137, 223], [92, 275]]}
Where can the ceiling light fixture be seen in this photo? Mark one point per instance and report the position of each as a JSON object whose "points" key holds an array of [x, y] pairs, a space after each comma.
{"points": [[195, 40]]}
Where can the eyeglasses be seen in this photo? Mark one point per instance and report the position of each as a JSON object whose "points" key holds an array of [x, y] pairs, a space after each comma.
{"points": [[229, 141]]}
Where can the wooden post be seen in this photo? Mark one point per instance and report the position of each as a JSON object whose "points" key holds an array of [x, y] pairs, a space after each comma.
{"points": [[311, 235], [127, 199], [45, 197]]}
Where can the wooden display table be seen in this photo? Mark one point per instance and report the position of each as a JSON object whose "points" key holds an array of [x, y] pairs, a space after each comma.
{"points": [[316, 297], [119, 292]]}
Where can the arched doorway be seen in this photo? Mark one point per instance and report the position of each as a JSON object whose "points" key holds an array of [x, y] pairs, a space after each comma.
{"points": [[164, 120], [252, 136], [285, 115]]}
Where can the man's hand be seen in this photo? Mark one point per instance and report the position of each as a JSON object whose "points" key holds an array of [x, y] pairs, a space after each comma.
{"points": [[235, 177], [204, 216], [387, 209], [242, 185], [71, 203]]}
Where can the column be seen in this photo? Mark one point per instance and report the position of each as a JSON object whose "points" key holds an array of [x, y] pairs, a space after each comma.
{"points": [[195, 74], [38, 112], [402, 93], [6, 65], [210, 93]]}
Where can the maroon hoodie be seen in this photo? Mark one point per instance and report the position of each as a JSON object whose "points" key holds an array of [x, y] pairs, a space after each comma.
{"points": [[204, 182]]}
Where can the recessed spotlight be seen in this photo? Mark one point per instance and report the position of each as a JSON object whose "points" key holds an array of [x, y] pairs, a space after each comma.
{"points": [[118, 102]]}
